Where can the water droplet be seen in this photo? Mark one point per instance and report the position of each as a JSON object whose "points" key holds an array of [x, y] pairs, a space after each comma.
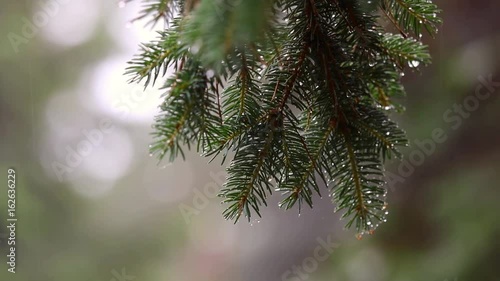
{"points": [[414, 63], [195, 48], [210, 73]]}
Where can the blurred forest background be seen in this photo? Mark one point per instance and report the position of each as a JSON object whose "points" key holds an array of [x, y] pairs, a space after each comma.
{"points": [[114, 213]]}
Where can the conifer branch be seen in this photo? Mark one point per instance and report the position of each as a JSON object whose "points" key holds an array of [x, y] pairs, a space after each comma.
{"points": [[297, 89]]}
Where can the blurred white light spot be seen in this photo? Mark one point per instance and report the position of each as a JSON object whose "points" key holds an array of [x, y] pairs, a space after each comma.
{"points": [[130, 34], [70, 22], [475, 59], [210, 73], [65, 115], [83, 151], [114, 95], [111, 159]]}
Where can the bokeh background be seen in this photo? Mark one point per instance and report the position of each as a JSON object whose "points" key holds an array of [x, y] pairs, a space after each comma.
{"points": [[93, 205]]}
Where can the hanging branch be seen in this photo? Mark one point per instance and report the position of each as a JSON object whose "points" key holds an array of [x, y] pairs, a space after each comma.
{"points": [[297, 90]]}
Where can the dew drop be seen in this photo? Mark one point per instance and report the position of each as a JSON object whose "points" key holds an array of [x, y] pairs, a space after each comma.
{"points": [[414, 63], [210, 73], [195, 48]]}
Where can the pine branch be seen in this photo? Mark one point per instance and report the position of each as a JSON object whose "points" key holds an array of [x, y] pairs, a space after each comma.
{"points": [[250, 173], [157, 10], [155, 57], [297, 89], [413, 15], [405, 51], [387, 136], [189, 113], [358, 179], [301, 178]]}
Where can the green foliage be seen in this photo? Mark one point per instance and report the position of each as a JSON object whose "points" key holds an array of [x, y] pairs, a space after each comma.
{"points": [[412, 15], [298, 90], [157, 10]]}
